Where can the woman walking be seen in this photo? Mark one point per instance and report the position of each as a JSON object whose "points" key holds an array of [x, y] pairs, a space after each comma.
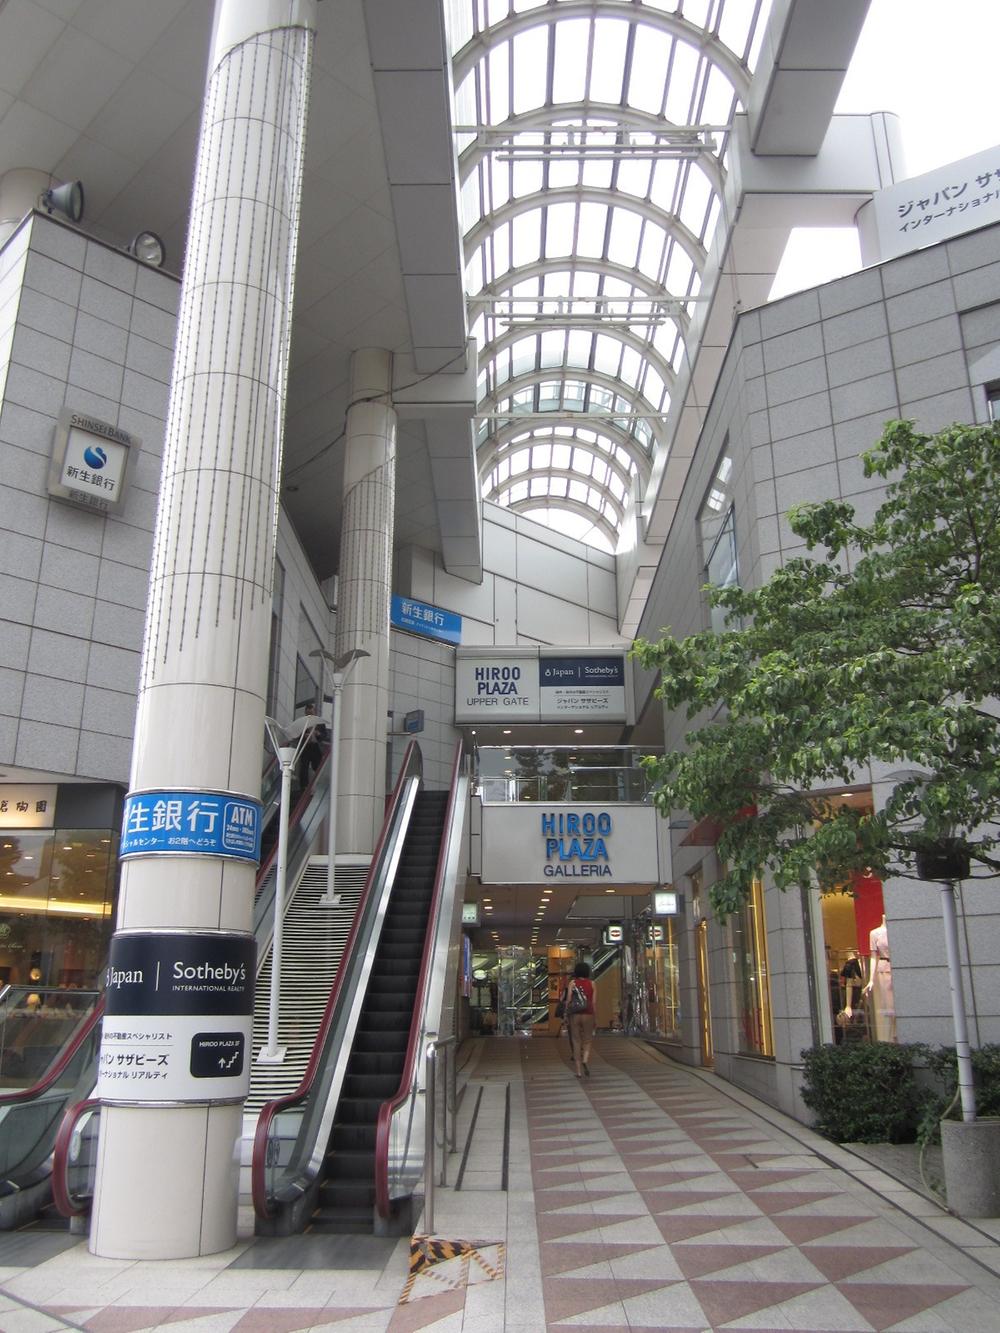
{"points": [[580, 1016]]}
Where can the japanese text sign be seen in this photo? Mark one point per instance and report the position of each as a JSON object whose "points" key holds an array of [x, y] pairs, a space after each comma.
{"points": [[193, 823]]}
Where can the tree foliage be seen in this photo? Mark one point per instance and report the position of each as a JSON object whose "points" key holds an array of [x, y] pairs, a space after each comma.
{"points": [[883, 647]]}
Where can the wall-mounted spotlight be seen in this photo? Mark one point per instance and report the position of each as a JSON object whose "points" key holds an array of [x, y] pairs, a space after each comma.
{"points": [[148, 247], [66, 199]]}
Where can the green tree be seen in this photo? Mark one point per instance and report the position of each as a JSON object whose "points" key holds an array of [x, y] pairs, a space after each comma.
{"points": [[884, 646]]}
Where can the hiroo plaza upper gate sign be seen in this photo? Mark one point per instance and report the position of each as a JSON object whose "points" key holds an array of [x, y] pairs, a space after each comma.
{"points": [[542, 685]]}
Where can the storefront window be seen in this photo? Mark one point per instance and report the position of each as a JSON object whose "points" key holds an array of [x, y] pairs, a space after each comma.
{"points": [[856, 942], [753, 984], [56, 901], [664, 1000]]}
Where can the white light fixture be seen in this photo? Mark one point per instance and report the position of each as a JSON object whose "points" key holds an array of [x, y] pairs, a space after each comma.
{"points": [[148, 247], [65, 199]]}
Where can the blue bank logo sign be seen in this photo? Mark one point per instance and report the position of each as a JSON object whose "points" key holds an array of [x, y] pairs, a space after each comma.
{"points": [[193, 823], [431, 621], [90, 461]]}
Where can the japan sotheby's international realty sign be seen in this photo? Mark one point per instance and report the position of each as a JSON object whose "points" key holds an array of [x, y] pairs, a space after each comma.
{"points": [[178, 1015], [541, 685]]}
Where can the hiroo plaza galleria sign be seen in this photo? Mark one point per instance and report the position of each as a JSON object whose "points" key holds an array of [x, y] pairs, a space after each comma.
{"points": [[528, 844], [542, 685]]}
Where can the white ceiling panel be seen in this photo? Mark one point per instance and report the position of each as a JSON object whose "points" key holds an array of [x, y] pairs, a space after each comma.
{"points": [[28, 33], [416, 125], [427, 234], [124, 26], [75, 77]]}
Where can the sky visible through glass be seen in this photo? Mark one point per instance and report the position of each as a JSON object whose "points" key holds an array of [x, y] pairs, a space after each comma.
{"points": [[593, 150]]}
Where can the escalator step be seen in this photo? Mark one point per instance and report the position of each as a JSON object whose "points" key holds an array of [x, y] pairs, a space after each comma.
{"points": [[374, 1062], [351, 1166], [346, 1221], [352, 1138], [359, 1110], [367, 1085], [336, 1195]]}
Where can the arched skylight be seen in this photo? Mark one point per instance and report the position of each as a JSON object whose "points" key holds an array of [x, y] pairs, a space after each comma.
{"points": [[592, 139]]}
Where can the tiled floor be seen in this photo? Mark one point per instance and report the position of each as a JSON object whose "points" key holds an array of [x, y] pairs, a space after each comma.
{"points": [[645, 1197]]}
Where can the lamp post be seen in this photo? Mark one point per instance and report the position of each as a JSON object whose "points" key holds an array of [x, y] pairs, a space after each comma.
{"points": [[287, 751], [341, 669]]}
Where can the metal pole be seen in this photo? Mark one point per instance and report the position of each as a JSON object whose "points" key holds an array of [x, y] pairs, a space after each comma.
{"points": [[273, 1054], [429, 1099], [331, 898], [965, 1084], [340, 668]]}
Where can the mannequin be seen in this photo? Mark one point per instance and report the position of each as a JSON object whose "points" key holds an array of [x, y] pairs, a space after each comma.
{"points": [[851, 978], [879, 986]]}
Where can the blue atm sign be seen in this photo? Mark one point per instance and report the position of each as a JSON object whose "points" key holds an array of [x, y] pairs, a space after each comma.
{"points": [[192, 823], [430, 621]]}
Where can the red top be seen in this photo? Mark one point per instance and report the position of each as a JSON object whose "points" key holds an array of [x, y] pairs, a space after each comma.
{"points": [[586, 988]]}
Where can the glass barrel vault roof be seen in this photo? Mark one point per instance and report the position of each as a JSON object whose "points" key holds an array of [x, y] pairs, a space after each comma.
{"points": [[592, 138]]}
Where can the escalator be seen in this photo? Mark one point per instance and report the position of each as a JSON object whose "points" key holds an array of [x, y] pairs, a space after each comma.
{"points": [[61, 1056], [378, 1055], [345, 1152]]}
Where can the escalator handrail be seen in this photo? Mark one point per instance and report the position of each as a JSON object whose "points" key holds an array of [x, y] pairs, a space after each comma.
{"points": [[389, 1107], [60, 1158], [66, 1055], [258, 1179]]}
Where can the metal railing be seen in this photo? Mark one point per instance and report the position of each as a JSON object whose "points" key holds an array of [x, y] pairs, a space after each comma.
{"points": [[433, 1122], [572, 773]]}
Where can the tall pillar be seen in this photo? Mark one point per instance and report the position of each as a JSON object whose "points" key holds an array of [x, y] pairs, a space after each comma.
{"points": [[364, 587], [168, 1159]]}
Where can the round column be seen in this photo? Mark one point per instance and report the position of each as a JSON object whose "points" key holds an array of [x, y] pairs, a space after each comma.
{"points": [[168, 1169], [364, 587]]}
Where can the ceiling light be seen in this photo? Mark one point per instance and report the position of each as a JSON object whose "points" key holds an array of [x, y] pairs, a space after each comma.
{"points": [[507, 731], [148, 247], [578, 731], [65, 199]]}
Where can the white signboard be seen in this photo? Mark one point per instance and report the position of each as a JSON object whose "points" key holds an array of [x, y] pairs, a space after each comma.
{"points": [[941, 203], [498, 687], [90, 460], [27, 805], [589, 846], [541, 685]]}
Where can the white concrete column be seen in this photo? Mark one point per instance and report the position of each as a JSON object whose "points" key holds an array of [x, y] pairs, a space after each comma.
{"points": [[167, 1175], [364, 588], [20, 191]]}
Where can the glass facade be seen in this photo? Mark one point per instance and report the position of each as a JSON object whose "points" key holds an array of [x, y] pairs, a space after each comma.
{"points": [[753, 981], [56, 901]]}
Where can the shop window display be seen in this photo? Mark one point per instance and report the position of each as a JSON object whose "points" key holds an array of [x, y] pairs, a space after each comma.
{"points": [[753, 982], [56, 902]]}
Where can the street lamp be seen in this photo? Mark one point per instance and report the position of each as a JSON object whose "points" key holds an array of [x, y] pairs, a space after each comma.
{"points": [[287, 750], [341, 669]]}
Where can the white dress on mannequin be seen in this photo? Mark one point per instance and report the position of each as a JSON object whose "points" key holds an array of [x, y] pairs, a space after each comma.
{"points": [[883, 1000]]}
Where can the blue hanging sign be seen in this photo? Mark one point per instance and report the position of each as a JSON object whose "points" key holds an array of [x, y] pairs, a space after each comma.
{"points": [[430, 621], [192, 823]]}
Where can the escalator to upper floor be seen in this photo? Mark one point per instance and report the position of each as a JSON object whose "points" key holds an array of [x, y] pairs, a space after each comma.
{"points": [[345, 1153], [49, 1040]]}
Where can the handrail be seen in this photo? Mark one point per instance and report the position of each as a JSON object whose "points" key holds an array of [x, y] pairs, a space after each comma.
{"points": [[60, 1157], [388, 1108], [68, 1052], [269, 1110], [430, 1139]]}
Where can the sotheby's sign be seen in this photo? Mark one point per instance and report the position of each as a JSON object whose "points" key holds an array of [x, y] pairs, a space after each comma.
{"points": [[578, 844]]}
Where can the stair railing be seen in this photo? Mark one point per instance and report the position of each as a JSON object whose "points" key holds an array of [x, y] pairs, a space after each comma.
{"points": [[293, 1131], [435, 1118], [400, 1130]]}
